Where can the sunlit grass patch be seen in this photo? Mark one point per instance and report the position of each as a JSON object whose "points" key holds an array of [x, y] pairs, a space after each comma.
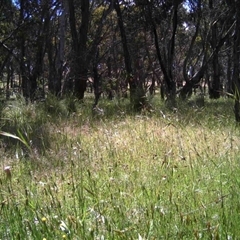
{"points": [[159, 175]]}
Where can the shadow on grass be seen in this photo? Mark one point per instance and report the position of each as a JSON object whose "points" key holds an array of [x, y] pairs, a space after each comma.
{"points": [[212, 112], [32, 121]]}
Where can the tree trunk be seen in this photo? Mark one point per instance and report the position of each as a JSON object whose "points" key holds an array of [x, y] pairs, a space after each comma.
{"points": [[79, 66], [23, 73], [215, 89], [54, 76], [186, 91], [96, 80], [31, 66], [236, 59], [229, 69], [166, 67], [171, 52], [57, 65], [110, 89], [137, 95], [81, 74]]}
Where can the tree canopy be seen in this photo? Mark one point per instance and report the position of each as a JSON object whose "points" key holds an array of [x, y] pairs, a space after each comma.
{"points": [[120, 47]]}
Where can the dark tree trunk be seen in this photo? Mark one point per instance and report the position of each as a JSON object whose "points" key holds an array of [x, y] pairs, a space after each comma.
{"points": [[152, 86], [186, 91], [55, 70], [220, 40], [215, 89], [33, 87], [54, 77], [236, 59], [81, 75], [137, 95], [31, 66], [37, 70], [110, 83], [23, 73], [79, 66], [96, 80], [171, 52], [61, 52], [127, 58], [166, 66], [9, 81], [229, 69], [167, 80], [96, 86]]}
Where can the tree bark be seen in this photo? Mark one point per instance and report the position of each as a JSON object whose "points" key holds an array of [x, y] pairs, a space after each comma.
{"points": [[24, 79], [56, 60], [79, 66], [186, 91], [137, 96], [236, 59], [167, 66], [214, 91]]}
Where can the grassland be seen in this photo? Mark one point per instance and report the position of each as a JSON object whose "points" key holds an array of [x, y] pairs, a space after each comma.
{"points": [[160, 174]]}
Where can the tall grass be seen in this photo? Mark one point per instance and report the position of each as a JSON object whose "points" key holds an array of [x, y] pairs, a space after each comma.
{"points": [[162, 174]]}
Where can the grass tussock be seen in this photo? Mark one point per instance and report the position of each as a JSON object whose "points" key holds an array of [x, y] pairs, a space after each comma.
{"points": [[162, 174]]}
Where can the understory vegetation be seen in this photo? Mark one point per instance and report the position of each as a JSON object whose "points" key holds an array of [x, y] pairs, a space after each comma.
{"points": [[167, 173]]}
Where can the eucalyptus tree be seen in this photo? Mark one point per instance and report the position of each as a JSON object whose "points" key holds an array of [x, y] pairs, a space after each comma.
{"points": [[84, 44], [161, 16], [8, 32], [137, 94], [215, 88], [32, 38], [220, 36], [193, 56], [211, 32], [142, 49], [57, 49], [235, 7]]}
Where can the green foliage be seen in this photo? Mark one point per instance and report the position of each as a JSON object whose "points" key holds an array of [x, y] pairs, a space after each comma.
{"points": [[56, 107], [21, 139], [23, 128]]}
